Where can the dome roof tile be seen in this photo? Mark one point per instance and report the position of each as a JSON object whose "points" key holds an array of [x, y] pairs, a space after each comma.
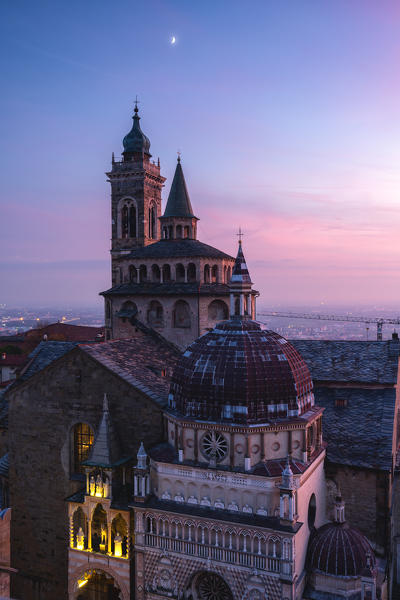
{"points": [[239, 372], [338, 549]]}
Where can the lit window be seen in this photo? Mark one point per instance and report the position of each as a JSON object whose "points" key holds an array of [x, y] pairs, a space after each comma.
{"points": [[82, 443]]}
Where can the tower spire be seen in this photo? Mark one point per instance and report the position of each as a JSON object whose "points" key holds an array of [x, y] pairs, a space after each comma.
{"points": [[242, 304], [178, 220]]}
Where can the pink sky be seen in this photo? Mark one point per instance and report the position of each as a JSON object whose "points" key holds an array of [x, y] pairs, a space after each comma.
{"points": [[287, 117]]}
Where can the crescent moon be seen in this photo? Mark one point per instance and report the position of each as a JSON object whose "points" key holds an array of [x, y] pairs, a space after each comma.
{"points": [[173, 40]]}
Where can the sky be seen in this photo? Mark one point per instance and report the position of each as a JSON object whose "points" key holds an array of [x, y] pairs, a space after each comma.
{"points": [[286, 114]]}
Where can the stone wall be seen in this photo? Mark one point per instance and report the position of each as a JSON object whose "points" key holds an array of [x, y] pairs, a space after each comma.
{"points": [[42, 413], [367, 495]]}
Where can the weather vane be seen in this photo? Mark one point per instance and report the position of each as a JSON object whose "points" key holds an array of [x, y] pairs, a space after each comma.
{"points": [[240, 235], [136, 102]]}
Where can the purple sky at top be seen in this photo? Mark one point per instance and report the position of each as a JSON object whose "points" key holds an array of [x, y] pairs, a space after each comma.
{"points": [[286, 113]]}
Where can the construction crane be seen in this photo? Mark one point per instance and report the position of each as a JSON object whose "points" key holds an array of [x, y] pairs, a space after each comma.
{"points": [[379, 321]]}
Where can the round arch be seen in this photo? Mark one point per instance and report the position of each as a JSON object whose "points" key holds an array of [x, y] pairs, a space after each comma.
{"points": [[79, 575], [208, 585], [130, 227]]}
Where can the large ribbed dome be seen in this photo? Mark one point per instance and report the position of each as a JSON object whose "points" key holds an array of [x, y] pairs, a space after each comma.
{"points": [[338, 549], [240, 373]]}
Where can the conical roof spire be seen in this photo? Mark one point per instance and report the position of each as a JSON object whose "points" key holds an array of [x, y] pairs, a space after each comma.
{"points": [[106, 450], [240, 272], [136, 141], [178, 203]]}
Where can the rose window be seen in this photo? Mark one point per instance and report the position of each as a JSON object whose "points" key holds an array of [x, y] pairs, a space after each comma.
{"points": [[211, 586], [214, 445]]}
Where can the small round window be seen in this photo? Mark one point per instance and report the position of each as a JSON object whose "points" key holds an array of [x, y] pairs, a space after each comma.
{"points": [[214, 445]]}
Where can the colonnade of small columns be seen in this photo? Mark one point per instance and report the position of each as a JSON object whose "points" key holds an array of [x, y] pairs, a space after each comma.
{"points": [[84, 539], [177, 272]]}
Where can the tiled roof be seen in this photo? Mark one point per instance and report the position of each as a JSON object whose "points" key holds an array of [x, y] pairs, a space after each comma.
{"points": [[360, 431], [178, 203], [4, 465], [67, 333], [338, 549], [106, 451], [44, 354], [176, 248], [13, 360], [348, 361], [140, 363], [169, 289], [240, 272], [238, 372]]}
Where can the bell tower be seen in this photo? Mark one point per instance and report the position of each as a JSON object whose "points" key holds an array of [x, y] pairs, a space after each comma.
{"points": [[136, 185]]}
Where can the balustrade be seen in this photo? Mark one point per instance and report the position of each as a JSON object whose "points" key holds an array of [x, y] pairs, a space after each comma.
{"points": [[273, 564]]}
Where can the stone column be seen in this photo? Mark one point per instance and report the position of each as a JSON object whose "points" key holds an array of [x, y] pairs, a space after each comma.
{"points": [[241, 304], [232, 303], [71, 530], [109, 535], [262, 449], [196, 444], [89, 535], [232, 450]]}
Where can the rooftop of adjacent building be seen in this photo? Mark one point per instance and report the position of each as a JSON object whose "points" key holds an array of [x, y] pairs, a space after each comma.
{"points": [[358, 421]]}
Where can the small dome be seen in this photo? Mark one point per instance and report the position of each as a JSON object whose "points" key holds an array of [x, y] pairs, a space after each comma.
{"points": [[338, 549], [135, 140], [240, 373]]}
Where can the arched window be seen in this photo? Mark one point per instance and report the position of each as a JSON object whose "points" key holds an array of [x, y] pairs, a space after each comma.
{"points": [[79, 539], [225, 280], [99, 530], [125, 221], [132, 222], [165, 233], [228, 274], [152, 222], [132, 274], [155, 314], [206, 273], [166, 271], [170, 232], [180, 273], [186, 231], [119, 532], [179, 231], [237, 306], [214, 274], [312, 511], [143, 273], [155, 273], [218, 311], [181, 315], [191, 272], [81, 444]]}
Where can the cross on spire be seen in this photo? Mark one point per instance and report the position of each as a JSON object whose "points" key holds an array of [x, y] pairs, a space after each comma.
{"points": [[240, 235], [136, 104], [179, 155]]}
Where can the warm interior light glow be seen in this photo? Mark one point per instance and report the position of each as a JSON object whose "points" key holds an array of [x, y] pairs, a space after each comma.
{"points": [[117, 548], [82, 582], [80, 545]]}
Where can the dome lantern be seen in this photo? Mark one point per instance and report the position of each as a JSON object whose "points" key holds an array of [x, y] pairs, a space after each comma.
{"points": [[136, 143]]}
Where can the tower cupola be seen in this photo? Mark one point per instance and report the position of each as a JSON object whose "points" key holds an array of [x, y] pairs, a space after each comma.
{"points": [[178, 220], [136, 142], [242, 304]]}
